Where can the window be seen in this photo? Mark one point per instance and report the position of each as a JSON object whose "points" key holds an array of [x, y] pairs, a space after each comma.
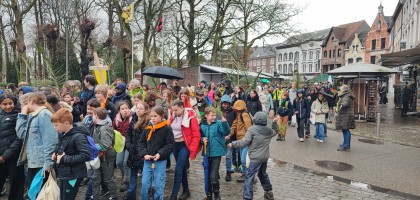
{"points": [[378, 26], [271, 61], [339, 53], [358, 59], [373, 44], [255, 63], [258, 69], [296, 55], [325, 54], [304, 68], [317, 54], [350, 60], [259, 62], [280, 69], [383, 43], [264, 62], [329, 54], [296, 67], [272, 70], [310, 67], [290, 68], [284, 69], [304, 55], [372, 59], [357, 47], [290, 56], [311, 55], [317, 68], [285, 57], [334, 53], [250, 63], [280, 58]]}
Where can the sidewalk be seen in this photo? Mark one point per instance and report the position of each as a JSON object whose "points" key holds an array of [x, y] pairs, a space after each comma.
{"points": [[386, 164], [393, 127]]}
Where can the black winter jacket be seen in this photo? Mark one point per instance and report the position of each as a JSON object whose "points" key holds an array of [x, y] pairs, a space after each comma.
{"points": [[132, 143], [253, 105], [162, 142], [10, 144], [76, 147]]}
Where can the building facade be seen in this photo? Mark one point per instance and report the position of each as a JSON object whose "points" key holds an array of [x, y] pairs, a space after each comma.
{"points": [[301, 52], [378, 39], [338, 39], [263, 59], [355, 52]]}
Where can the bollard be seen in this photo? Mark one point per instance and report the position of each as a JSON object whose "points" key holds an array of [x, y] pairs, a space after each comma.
{"points": [[378, 123]]}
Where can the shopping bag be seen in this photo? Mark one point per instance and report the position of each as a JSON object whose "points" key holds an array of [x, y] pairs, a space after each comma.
{"points": [[50, 191], [95, 163], [312, 118], [36, 184], [294, 121]]}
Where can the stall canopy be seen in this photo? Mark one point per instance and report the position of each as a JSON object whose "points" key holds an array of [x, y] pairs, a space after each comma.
{"points": [[408, 56]]}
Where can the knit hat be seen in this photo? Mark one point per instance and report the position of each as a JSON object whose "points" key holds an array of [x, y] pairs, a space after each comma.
{"points": [[27, 89], [121, 86]]}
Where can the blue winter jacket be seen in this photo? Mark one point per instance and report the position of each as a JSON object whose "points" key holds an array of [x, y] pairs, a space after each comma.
{"points": [[39, 139], [302, 108], [215, 134]]}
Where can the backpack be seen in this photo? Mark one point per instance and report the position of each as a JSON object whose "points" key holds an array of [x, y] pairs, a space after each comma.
{"points": [[119, 141], [94, 150]]}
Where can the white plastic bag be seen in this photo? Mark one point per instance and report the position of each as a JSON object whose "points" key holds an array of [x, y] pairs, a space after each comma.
{"points": [[50, 191], [95, 163]]}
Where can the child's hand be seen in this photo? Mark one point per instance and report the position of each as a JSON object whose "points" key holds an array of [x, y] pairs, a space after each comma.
{"points": [[54, 156], [227, 137], [59, 158], [205, 140], [223, 119], [230, 145], [156, 157]]}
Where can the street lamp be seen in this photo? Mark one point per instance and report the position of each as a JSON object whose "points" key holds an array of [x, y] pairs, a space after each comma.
{"points": [[335, 43]]}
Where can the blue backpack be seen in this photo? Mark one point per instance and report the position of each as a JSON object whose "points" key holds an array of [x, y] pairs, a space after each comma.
{"points": [[94, 151]]}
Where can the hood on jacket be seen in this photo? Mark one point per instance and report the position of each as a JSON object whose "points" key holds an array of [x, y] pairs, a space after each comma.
{"points": [[121, 86], [239, 105], [27, 89], [225, 98], [106, 121], [227, 83], [260, 118], [300, 91]]}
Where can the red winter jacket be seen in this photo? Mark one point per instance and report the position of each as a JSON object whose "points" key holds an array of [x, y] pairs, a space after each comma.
{"points": [[120, 125], [190, 132]]}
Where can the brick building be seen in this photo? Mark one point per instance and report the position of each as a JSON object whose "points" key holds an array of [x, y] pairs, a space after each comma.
{"points": [[263, 58]]}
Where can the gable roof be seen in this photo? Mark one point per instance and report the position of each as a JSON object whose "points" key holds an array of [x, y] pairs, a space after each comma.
{"points": [[345, 32], [388, 20], [265, 51], [297, 40]]}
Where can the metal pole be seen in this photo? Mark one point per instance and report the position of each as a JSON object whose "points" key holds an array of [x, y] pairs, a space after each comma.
{"points": [[358, 97], [378, 123], [67, 49], [132, 55]]}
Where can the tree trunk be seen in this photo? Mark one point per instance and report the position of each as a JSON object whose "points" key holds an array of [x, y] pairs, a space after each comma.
{"points": [[191, 51], [6, 52], [110, 28]]}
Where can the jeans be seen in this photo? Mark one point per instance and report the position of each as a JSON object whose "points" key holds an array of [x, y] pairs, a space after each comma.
{"points": [[320, 130], [307, 126], [122, 165], [228, 152], [182, 155], [105, 173], [347, 138], [69, 191], [244, 152], [16, 178], [301, 126], [132, 188], [405, 108], [254, 169], [159, 175], [213, 181], [276, 105]]}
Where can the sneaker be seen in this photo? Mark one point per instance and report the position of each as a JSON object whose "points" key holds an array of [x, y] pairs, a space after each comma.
{"points": [[104, 193], [278, 138], [124, 187], [268, 195], [113, 198], [301, 139], [317, 140], [307, 135], [185, 195], [283, 138], [228, 177], [343, 149], [255, 180], [341, 146], [241, 179], [321, 141]]}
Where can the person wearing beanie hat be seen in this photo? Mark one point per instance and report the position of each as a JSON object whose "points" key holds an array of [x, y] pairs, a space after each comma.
{"points": [[228, 87], [300, 110], [121, 95], [25, 89], [230, 116]]}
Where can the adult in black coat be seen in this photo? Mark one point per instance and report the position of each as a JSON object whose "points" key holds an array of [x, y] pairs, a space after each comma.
{"points": [[10, 146], [253, 104]]}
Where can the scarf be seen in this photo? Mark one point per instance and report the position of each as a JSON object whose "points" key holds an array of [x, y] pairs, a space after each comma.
{"points": [[157, 126]]}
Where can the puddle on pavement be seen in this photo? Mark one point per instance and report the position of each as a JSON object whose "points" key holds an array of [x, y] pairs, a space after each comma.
{"points": [[369, 141], [334, 165]]}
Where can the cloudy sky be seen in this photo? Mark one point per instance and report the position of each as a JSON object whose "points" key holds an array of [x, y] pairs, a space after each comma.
{"points": [[322, 14]]}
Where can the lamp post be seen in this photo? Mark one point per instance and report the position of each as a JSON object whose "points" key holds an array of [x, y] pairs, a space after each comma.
{"points": [[335, 43]]}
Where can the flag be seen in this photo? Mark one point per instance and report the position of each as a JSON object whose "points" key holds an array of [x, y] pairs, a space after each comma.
{"points": [[128, 12], [159, 27]]}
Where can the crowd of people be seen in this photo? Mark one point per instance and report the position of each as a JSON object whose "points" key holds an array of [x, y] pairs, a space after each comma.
{"points": [[72, 132]]}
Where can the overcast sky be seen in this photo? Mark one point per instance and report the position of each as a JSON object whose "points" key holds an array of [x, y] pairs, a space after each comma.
{"points": [[322, 14]]}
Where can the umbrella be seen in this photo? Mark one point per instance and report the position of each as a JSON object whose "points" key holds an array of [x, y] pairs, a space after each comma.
{"points": [[206, 169], [264, 80], [163, 72]]}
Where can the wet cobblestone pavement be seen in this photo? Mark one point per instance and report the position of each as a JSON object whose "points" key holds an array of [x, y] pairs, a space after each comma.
{"points": [[393, 127], [288, 183]]}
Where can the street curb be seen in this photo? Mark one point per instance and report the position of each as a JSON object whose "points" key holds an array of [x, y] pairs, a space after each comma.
{"points": [[353, 183], [371, 136]]}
